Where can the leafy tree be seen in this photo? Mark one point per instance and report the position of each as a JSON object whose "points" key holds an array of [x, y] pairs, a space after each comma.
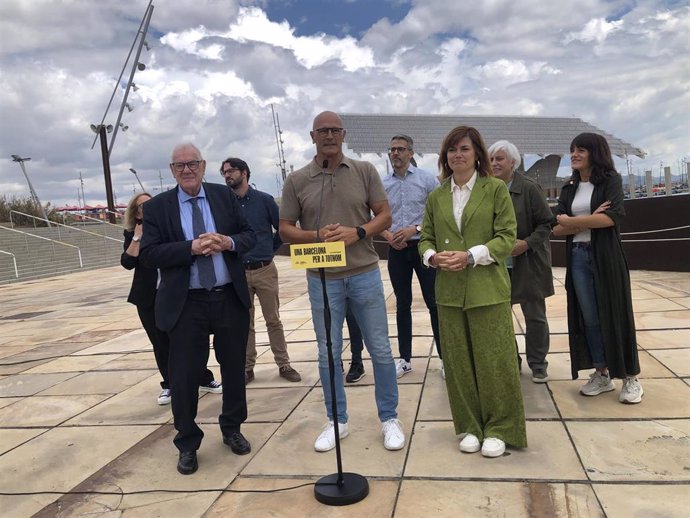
{"points": [[27, 206]]}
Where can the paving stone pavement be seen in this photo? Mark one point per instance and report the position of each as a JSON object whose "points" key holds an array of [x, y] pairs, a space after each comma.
{"points": [[81, 433]]}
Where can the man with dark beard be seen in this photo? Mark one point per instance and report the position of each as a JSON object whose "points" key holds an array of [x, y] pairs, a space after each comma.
{"points": [[261, 211]]}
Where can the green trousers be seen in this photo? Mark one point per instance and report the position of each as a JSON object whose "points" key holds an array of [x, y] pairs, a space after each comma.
{"points": [[482, 373]]}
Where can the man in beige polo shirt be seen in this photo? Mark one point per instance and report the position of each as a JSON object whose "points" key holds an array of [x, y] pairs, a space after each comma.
{"points": [[333, 198]]}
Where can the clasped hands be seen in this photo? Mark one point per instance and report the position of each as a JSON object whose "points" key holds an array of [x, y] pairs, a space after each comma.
{"points": [[399, 239], [211, 243], [338, 232], [452, 261]]}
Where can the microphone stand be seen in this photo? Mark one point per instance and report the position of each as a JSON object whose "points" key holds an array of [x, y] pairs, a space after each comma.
{"points": [[341, 488]]}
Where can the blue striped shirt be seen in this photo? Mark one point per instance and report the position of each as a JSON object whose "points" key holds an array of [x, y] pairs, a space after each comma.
{"points": [[407, 196]]}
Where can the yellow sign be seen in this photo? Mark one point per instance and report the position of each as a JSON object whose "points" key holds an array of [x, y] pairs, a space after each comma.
{"points": [[318, 255]]}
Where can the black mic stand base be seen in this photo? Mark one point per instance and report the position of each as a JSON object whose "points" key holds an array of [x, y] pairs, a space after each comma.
{"points": [[353, 489]]}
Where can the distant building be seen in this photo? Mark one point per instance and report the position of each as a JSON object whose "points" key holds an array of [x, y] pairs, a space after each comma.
{"points": [[548, 137]]}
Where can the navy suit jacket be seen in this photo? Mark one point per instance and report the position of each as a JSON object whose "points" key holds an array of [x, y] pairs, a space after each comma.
{"points": [[164, 246]]}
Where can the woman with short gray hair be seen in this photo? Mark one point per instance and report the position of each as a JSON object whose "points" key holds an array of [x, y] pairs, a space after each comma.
{"points": [[530, 262]]}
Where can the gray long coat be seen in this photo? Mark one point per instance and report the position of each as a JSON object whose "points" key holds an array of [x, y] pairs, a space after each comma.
{"points": [[532, 278]]}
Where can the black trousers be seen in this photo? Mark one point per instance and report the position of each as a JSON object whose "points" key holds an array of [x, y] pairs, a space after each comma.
{"points": [[401, 265], [222, 314], [161, 345]]}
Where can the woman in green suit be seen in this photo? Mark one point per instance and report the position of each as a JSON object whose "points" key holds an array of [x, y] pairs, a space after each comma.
{"points": [[469, 229]]}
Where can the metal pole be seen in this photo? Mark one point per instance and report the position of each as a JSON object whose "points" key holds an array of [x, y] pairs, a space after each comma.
{"points": [[106, 173], [117, 84], [32, 191], [83, 198], [147, 17], [137, 177], [160, 179]]}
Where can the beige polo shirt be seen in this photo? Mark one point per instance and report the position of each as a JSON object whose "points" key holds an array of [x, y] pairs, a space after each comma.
{"points": [[348, 194]]}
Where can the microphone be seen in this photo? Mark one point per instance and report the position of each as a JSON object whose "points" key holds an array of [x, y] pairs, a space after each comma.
{"points": [[318, 218]]}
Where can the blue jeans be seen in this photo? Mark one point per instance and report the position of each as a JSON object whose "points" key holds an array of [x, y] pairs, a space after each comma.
{"points": [[585, 292], [363, 294]]}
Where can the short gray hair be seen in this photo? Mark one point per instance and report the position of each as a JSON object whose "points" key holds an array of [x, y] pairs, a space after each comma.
{"points": [[184, 145], [510, 149], [406, 138]]}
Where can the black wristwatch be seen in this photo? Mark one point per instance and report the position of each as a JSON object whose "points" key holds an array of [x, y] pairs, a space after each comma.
{"points": [[470, 259], [361, 233]]}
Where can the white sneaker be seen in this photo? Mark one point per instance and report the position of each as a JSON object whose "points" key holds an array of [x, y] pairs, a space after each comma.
{"points": [[326, 439], [402, 367], [632, 391], [164, 397], [597, 384], [214, 387], [493, 447], [469, 444], [393, 435]]}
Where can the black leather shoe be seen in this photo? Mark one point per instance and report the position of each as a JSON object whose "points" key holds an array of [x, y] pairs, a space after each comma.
{"points": [[238, 444], [187, 463]]}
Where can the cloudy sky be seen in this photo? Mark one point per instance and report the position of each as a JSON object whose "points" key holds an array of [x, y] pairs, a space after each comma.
{"points": [[215, 67]]}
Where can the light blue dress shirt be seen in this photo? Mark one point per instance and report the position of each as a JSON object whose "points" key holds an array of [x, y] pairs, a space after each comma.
{"points": [[407, 196], [219, 266]]}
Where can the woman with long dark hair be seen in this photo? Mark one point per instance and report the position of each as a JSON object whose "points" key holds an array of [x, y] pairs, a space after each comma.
{"points": [[468, 231], [601, 325]]}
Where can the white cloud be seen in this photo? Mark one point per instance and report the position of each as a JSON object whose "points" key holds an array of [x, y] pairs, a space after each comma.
{"points": [[311, 51], [597, 29], [512, 71], [215, 67]]}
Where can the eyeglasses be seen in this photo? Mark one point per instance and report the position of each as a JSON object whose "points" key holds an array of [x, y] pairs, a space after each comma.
{"points": [[323, 132], [231, 170], [392, 150], [192, 164]]}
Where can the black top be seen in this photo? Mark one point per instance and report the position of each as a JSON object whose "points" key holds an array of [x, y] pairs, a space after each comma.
{"points": [[143, 290]]}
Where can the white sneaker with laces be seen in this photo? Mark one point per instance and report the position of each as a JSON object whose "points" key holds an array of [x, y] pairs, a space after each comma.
{"points": [[393, 435], [164, 397], [631, 392], [597, 384], [402, 367], [215, 387], [493, 447], [469, 443], [326, 439]]}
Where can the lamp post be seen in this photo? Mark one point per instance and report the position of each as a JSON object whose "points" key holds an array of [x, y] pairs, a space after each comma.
{"points": [[101, 130], [34, 196], [137, 177], [83, 197]]}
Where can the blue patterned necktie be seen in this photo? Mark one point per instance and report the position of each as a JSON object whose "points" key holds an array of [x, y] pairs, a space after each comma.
{"points": [[207, 275]]}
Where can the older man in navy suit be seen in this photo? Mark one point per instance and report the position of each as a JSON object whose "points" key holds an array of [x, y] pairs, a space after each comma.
{"points": [[195, 235]]}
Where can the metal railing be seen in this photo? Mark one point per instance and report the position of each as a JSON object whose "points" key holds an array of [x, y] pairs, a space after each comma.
{"points": [[101, 221], [52, 241], [58, 225], [14, 261]]}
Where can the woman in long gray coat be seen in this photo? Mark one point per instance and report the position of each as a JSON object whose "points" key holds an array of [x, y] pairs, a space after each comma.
{"points": [[601, 325], [530, 262]]}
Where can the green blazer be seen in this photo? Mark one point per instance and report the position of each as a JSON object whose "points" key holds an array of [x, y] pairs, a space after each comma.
{"points": [[488, 219]]}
